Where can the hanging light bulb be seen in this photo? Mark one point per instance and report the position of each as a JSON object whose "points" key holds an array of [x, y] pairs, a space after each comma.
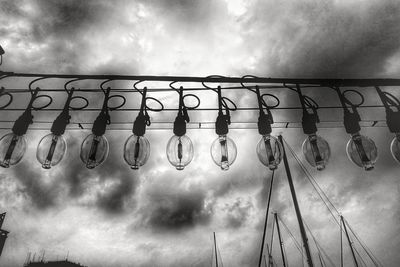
{"points": [[180, 148], [52, 147], [13, 145], [95, 147], [94, 150], [362, 151], [12, 149], [51, 150], [316, 151], [180, 151], [269, 149], [395, 147], [223, 149], [137, 147]]}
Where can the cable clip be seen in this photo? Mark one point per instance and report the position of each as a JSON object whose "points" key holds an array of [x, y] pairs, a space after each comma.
{"points": [[310, 119]]}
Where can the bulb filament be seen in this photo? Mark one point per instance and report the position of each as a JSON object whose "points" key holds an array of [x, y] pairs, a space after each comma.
{"points": [[361, 152], [319, 162], [47, 162], [91, 163], [136, 156], [224, 152], [6, 162], [270, 153]]}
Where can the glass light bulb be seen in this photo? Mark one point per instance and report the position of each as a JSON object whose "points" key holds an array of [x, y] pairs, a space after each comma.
{"points": [[316, 151], [12, 149], [180, 151], [223, 152], [94, 150], [395, 147], [51, 150], [269, 151], [136, 151], [362, 151]]}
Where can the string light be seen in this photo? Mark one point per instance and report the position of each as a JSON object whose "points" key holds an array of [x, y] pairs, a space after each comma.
{"points": [[94, 149]]}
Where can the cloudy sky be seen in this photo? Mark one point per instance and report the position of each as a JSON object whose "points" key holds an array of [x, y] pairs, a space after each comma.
{"points": [[157, 216]]}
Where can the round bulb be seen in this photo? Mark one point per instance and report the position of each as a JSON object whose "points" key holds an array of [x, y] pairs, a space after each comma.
{"points": [[316, 151], [395, 147], [223, 152], [180, 151], [51, 150], [94, 150], [12, 149], [362, 151], [136, 151], [269, 151]]}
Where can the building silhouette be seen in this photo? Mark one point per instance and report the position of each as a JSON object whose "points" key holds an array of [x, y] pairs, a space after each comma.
{"points": [[63, 263]]}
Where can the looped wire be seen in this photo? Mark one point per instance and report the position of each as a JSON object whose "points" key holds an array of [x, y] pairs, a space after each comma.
{"points": [[71, 81], [32, 82], [264, 103], [347, 101], [80, 108], [212, 76], [191, 107], [44, 106], [244, 86], [119, 106], [392, 100], [10, 96], [149, 98]]}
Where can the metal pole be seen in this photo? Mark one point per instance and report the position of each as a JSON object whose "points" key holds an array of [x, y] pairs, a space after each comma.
{"points": [[266, 219], [350, 244], [296, 206], [215, 248], [280, 239]]}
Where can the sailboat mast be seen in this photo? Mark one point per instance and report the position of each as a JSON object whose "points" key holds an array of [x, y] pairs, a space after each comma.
{"points": [[280, 239], [215, 249], [266, 219], [296, 206], [348, 239]]}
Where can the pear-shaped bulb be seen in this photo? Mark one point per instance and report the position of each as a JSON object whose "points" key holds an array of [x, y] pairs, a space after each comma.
{"points": [[269, 151], [362, 151], [223, 152], [12, 149], [136, 151], [316, 151], [51, 150], [94, 150]]}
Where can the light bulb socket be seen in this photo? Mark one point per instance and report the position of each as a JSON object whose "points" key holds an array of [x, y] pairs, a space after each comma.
{"points": [[100, 124], [309, 122], [180, 126], [393, 120], [221, 125], [21, 125], [264, 124], [351, 122], [139, 126], [60, 123]]}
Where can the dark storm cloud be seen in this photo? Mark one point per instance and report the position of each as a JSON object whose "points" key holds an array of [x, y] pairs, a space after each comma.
{"points": [[327, 38], [42, 195], [172, 211]]}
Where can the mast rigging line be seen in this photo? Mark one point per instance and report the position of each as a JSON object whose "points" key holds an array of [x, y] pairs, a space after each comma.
{"points": [[321, 192]]}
